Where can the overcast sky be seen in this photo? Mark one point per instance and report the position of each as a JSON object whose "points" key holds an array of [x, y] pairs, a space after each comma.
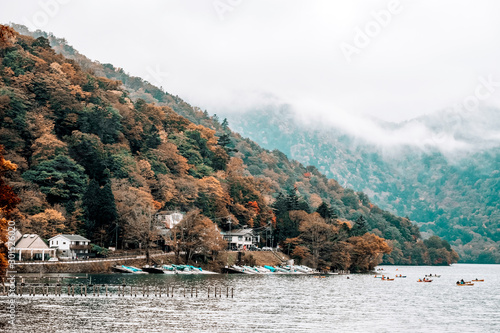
{"points": [[393, 60]]}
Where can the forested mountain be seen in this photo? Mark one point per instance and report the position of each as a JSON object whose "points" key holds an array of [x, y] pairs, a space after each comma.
{"points": [[94, 156], [454, 194]]}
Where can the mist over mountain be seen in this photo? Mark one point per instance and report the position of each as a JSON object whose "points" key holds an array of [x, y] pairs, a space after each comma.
{"points": [[441, 170]]}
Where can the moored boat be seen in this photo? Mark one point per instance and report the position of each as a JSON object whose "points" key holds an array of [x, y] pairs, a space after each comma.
{"points": [[128, 269], [152, 269]]}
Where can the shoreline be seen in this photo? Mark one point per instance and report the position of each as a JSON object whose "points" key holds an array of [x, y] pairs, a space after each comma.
{"points": [[99, 266]]}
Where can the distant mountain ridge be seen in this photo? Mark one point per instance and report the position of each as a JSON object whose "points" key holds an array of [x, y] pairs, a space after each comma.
{"points": [[449, 183]]}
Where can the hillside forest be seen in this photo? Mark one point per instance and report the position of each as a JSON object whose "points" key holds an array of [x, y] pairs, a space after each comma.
{"points": [[83, 154]]}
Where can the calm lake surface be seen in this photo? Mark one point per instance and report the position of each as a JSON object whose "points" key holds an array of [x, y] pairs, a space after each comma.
{"points": [[279, 303]]}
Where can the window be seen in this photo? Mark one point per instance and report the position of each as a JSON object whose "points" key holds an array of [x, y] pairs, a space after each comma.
{"points": [[240, 237]]}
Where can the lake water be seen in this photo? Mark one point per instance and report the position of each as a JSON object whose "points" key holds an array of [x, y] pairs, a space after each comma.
{"points": [[279, 303]]}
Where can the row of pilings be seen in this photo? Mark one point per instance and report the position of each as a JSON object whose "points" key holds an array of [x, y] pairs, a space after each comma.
{"points": [[114, 290]]}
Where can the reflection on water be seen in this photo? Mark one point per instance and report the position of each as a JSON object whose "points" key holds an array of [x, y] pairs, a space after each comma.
{"points": [[280, 303]]}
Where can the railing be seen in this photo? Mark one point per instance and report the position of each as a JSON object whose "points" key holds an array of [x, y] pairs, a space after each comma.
{"points": [[79, 247]]}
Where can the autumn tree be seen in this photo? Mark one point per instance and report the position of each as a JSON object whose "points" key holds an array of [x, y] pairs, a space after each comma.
{"points": [[367, 251], [317, 234], [196, 233], [8, 202], [136, 209], [212, 199], [47, 224], [7, 36]]}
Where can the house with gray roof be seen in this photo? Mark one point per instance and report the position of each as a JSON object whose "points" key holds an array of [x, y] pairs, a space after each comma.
{"points": [[240, 238], [70, 246]]}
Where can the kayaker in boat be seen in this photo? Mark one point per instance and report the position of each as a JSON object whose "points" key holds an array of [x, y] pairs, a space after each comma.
{"points": [[462, 281]]}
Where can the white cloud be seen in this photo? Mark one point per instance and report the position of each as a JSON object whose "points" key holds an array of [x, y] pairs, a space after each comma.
{"points": [[428, 58]]}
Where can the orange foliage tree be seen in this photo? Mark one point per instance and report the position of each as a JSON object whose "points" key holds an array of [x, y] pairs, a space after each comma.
{"points": [[8, 202], [196, 233]]}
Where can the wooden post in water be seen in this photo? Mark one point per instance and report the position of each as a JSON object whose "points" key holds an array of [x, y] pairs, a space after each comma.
{"points": [[227, 292], [196, 291], [232, 290], [85, 290], [147, 288], [172, 293], [192, 292], [184, 291], [160, 291], [208, 292]]}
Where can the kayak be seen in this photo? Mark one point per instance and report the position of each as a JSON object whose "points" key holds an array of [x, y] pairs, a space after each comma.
{"points": [[482, 280], [465, 284]]}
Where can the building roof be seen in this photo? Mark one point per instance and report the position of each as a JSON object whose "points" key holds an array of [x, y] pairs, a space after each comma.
{"points": [[72, 238], [31, 241], [17, 236], [238, 232]]}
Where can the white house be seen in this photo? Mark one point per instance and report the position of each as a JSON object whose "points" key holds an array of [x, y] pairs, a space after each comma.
{"points": [[33, 247], [170, 219], [70, 246], [241, 238]]}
